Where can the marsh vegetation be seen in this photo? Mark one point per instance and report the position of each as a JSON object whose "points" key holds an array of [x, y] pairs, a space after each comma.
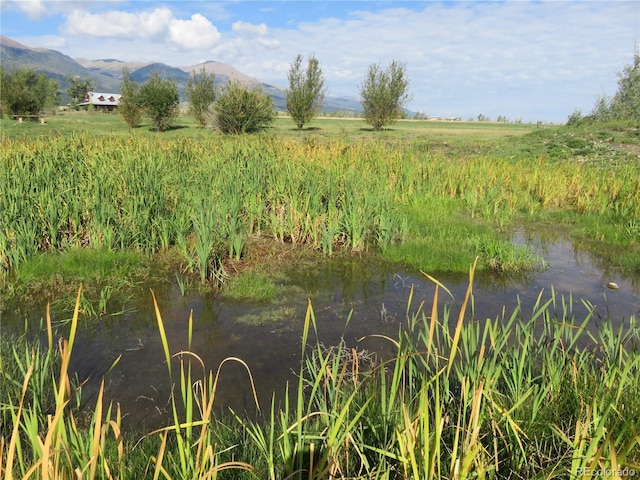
{"points": [[539, 393]]}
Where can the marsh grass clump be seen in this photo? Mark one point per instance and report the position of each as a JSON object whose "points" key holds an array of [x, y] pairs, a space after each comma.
{"points": [[251, 285]]}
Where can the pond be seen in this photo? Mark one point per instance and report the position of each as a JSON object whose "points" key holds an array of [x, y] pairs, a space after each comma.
{"points": [[372, 295]]}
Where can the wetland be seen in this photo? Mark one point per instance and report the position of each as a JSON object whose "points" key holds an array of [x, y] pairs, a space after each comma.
{"points": [[337, 238]]}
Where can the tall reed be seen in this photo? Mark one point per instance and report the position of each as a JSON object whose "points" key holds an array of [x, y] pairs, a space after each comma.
{"points": [[146, 195], [59, 448]]}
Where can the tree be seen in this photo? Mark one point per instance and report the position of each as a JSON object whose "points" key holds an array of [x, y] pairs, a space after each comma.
{"points": [[383, 93], [25, 92], [201, 95], [306, 91], [602, 110], [240, 109], [576, 118], [625, 104], [78, 89], [159, 99], [129, 104]]}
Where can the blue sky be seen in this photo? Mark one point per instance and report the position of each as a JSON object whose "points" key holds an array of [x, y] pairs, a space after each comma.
{"points": [[528, 60]]}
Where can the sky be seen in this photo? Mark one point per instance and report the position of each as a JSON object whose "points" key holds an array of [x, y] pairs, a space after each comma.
{"points": [[525, 60]]}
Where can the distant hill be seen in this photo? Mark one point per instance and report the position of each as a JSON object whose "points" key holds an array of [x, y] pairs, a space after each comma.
{"points": [[52, 63], [107, 73]]}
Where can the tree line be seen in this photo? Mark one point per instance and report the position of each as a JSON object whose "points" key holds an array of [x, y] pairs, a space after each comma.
{"points": [[235, 108], [238, 108]]}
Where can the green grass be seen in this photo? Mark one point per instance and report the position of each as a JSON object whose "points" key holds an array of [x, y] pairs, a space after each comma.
{"points": [[71, 122], [437, 223], [534, 394], [83, 264], [251, 285], [110, 277]]}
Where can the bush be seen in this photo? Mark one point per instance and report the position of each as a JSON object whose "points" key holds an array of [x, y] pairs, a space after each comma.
{"points": [[384, 93], [201, 94], [240, 109], [576, 118], [159, 99], [129, 106], [625, 103]]}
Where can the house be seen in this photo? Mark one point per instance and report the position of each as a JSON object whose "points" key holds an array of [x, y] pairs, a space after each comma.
{"points": [[101, 101]]}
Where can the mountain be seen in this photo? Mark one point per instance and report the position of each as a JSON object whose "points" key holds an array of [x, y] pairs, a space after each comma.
{"points": [[222, 70], [107, 73], [52, 63]]}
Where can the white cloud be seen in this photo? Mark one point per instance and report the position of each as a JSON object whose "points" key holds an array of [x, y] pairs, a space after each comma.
{"points": [[276, 66], [119, 24], [247, 32], [35, 9], [245, 28], [39, 9], [159, 24], [500, 56], [196, 33], [270, 43], [54, 42]]}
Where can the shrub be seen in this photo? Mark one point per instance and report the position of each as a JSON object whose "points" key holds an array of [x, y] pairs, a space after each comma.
{"points": [[160, 99], [240, 109], [201, 94], [384, 93]]}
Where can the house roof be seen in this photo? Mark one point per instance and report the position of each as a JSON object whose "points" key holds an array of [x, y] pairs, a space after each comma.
{"points": [[99, 98]]}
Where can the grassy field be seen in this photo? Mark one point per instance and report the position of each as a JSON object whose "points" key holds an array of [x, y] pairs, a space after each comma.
{"points": [[69, 121], [533, 395]]}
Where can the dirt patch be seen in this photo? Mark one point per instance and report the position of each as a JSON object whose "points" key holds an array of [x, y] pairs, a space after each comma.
{"points": [[271, 255], [631, 148]]}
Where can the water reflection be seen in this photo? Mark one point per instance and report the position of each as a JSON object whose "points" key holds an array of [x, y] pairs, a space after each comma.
{"points": [[371, 294]]}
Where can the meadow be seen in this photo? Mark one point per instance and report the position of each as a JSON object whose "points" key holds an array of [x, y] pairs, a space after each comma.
{"points": [[528, 395]]}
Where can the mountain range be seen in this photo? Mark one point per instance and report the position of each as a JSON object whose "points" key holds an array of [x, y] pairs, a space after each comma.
{"points": [[107, 73]]}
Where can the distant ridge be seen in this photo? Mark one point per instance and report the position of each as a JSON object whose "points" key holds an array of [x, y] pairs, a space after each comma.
{"points": [[6, 41], [219, 68]]}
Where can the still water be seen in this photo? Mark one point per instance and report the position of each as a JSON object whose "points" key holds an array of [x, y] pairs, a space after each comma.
{"points": [[371, 294]]}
